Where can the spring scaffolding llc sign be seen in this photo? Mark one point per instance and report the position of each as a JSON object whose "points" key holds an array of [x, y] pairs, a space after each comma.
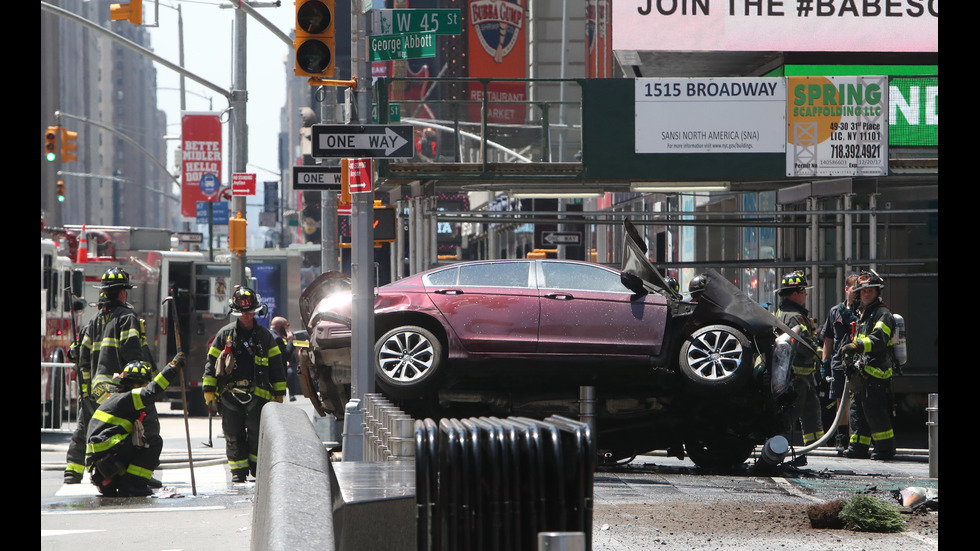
{"points": [[837, 126]]}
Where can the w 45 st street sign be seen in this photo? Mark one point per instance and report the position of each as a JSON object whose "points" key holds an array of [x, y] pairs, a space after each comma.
{"points": [[369, 141]]}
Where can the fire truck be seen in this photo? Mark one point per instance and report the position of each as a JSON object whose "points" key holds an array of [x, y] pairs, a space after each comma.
{"points": [[199, 285], [58, 387]]}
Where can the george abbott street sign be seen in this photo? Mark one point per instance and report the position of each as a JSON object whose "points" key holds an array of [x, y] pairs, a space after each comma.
{"points": [[369, 141], [402, 46]]}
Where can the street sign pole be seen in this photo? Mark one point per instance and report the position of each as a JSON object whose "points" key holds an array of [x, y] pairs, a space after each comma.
{"points": [[362, 261]]}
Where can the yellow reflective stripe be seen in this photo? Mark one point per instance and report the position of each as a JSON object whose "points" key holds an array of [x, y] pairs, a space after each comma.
{"points": [[279, 386], [137, 398], [274, 352], [253, 458], [75, 468], [215, 352], [161, 380], [881, 325], [113, 420], [812, 437], [864, 342], [799, 370], [210, 381], [884, 435], [109, 342], [858, 439], [877, 373], [261, 360], [241, 464], [102, 446], [129, 334], [262, 393], [136, 470]]}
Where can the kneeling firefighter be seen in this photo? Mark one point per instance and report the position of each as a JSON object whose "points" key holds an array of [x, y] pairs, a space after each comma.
{"points": [[119, 452], [243, 372]]}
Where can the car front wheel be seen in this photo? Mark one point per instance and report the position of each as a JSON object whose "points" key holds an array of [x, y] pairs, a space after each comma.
{"points": [[716, 357], [407, 360]]}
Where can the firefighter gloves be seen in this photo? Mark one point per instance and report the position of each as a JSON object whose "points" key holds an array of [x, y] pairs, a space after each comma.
{"points": [[849, 349], [209, 398], [178, 361]]}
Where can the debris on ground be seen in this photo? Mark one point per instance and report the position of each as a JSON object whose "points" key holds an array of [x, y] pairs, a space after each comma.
{"points": [[866, 513], [826, 515], [918, 498]]}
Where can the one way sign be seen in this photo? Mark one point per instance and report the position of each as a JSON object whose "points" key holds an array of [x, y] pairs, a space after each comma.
{"points": [[372, 141]]}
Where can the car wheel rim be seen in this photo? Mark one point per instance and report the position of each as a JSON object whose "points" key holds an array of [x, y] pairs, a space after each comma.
{"points": [[406, 357], [714, 355]]}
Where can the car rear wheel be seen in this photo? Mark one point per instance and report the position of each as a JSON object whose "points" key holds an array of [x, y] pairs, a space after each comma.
{"points": [[719, 454], [716, 357], [407, 361]]}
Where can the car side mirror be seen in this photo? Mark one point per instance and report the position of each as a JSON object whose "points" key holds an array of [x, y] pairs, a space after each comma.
{"points": [[633, 283]]}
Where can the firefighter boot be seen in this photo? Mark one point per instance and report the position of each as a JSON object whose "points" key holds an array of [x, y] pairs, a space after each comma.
{"points": [[133, 486], [239, 475], [884, 450], [857, 451], [72, 477], [841, 444]]}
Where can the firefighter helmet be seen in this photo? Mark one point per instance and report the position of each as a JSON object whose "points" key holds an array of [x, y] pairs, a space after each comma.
{"points": [[136, 373], [793, 282], [244, 300], [672, 283], [868, 279], [116, 278], [697, 284]]}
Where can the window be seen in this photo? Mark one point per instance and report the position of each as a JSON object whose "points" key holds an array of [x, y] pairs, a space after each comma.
{"points": [[582, 277], [504, 274], [444, 277]]}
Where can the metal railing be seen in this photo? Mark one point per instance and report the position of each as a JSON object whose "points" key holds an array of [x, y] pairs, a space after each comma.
{"points": [[59, 397], [389, 433]]}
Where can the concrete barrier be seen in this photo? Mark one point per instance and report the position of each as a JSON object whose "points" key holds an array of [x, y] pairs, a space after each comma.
{"points": [[292, 506]]}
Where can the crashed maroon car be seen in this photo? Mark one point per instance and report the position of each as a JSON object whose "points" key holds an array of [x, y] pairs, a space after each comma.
{"points": [[521, 337]]}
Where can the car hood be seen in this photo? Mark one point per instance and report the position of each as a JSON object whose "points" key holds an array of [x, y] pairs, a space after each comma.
{"points": [[320, 300], [720, 299]]}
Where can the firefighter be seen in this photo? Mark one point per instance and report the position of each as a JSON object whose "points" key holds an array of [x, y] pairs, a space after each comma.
{"points": [[806, 407], [112, 339], [837, 333], [119, 453], [696, 286], [243, 371], [870, 416]]}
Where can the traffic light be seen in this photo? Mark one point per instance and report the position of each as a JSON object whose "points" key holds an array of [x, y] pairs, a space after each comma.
{"points": [[314, 38], [132, 12], [68, 145], [51, 143], [61, 191]]}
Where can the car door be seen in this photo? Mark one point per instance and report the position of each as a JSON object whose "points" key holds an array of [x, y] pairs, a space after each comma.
{"points": [[491, 306], [585, 309]]}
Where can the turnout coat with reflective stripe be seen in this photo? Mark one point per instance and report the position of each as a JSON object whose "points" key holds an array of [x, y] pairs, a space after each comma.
{"points": [[113, 422], [792, 314], [875, 328], [113, 338], [269, 378]]}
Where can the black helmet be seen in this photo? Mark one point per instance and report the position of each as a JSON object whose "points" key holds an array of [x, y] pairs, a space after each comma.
{"points": [[868, 279], [244, 300], [794, 281], [697, 283], [136, 373], [115, 278], [672, 283]]}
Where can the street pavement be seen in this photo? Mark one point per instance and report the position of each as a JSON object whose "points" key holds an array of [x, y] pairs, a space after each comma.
{"points": [[211, 512]]}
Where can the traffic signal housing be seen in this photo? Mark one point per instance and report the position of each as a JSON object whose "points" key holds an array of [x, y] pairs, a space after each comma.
{"points": [[51, 143], [132, 12], [314, 38], [69, 147], [61, 191]]}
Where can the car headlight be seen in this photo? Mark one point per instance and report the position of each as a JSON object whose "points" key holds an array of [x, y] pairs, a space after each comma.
{"points": [[782, 358]]}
